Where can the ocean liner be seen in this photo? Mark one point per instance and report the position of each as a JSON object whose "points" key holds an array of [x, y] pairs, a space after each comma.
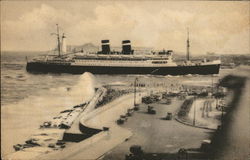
{"points": [[122, 62]]}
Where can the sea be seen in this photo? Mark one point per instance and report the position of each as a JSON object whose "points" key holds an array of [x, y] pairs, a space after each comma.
{"points": [[27, 100]]}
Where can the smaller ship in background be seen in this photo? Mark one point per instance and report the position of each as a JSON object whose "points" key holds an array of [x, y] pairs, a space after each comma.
{"points": [[119, 62]]}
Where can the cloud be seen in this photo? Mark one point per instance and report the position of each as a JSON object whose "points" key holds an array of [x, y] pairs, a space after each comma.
{"points": [[32, 30], [240, 40], [162, 27]]}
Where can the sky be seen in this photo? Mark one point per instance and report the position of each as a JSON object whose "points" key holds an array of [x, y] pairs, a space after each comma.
{"points": [[221, 27]]}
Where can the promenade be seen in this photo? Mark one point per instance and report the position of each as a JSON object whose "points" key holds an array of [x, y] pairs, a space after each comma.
{"points": [[99, 144]]}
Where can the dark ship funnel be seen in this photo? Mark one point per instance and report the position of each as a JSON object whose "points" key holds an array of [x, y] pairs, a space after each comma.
{"points": [[105, 47], [126, 47]]}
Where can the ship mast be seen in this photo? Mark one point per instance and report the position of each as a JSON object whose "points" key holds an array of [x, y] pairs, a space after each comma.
{"points": [[188, 45], [58, 40]]}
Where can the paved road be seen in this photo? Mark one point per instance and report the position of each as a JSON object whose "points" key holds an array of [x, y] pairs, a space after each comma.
{"points": [[97, 145], [156, 135]]}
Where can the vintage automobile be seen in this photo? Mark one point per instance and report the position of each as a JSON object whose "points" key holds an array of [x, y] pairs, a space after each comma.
{"points": [[151, 110], [169, 116], [122, 119]]}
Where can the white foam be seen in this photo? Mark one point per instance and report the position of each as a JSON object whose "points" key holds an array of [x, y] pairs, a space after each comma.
{"points": [[22, 119]]}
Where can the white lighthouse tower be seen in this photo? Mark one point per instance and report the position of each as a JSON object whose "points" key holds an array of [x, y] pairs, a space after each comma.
{"points": [[64, 44]]}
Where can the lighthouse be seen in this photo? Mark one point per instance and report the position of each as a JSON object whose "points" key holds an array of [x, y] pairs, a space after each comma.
{"points": [[63, 45]]}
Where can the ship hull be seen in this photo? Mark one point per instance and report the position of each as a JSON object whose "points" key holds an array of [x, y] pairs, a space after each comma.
{"points": [[37, 67]]}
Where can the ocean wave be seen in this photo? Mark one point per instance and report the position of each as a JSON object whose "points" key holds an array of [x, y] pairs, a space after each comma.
{"points": [[12, 66], [23, 118]]}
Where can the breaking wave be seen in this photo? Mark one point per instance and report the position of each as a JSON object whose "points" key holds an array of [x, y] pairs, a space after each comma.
{"points": [[22, 119]]}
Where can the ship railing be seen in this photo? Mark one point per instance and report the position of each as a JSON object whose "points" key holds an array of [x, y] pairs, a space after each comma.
{"points": [[106, 59], [124, 63]]}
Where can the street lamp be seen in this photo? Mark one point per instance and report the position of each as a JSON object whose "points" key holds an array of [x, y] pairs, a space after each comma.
{"points": [[212, 85], [222, 115], [194, 111], [135, 105]]}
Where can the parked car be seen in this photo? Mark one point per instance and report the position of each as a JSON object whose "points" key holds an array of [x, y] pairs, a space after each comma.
{"points": [[130, 112], [136, 108], [151, 110], [169, 116], [136, 153], [122, 119], [196, 153]]}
